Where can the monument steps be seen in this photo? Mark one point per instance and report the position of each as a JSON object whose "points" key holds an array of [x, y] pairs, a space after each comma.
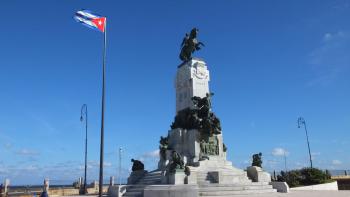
{"points": [[136, 188], [236, 184], [134, 191], [235, 187], [244, 188], [211, 175], [205, 178], [151, 178], [133, 194], [223, 193]]}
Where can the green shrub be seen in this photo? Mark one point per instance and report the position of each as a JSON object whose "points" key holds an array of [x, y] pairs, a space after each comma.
{"points": [[304, 177], [312, 176]]}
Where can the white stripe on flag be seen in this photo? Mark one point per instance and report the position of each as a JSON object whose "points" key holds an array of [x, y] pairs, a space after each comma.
{"points": [[85, 21], [87, 14]]}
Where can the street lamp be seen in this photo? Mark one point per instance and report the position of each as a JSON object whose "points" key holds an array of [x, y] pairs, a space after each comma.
{"points": [[302, 122], [285, 160], [120, 165], [84, 111]]}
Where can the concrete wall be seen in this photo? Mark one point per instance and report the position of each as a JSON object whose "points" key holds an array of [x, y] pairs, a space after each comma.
{"points": [[63, 192], [326, 186], [280, 186], [343, 184], [56, 192], [72, 191]]}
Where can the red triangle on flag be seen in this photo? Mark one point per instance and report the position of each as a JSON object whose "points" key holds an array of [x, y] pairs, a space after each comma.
{"points": [[100, 23]]}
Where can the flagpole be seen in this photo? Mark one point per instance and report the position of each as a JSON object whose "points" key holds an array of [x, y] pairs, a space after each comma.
{"points": [[103, 109]]}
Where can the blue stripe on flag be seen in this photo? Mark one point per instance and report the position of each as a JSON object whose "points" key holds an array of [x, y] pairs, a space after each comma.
{"points": [[86, 23], [88, 14], [82, 16]]}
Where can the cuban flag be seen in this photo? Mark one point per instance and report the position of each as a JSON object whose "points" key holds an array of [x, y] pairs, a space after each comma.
{"points": [[91, 20]]}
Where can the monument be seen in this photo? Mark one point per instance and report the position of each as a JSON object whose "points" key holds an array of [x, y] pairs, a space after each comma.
{"points": [[193, 154]]}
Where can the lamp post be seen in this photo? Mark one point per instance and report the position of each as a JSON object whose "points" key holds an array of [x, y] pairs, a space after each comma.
{"points": [[285, 165], [84, 111], [301, 122], [285, 160], [120, 165]]}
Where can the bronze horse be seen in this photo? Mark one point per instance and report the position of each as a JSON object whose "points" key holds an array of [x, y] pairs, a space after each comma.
{"points": [[189, 45]]}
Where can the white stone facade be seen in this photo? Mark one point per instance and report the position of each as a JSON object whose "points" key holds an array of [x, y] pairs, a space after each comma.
{"points": [[192, 79]]}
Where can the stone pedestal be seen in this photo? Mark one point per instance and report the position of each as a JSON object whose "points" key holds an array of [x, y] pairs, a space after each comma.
{"points": [[4, 190], [191, 179], [177, 178], [135, 176], [282, 187], [116, 190], [256, 174], [111, 180], [94, 185], [80, 182], [188, 144], [192, 79]]}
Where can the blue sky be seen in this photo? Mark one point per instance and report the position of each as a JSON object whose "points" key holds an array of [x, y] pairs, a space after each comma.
{"points": [[270, 62]]}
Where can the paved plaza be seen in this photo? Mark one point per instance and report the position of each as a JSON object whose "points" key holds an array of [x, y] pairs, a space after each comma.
{"points": [[344, 193], [303, 194]]}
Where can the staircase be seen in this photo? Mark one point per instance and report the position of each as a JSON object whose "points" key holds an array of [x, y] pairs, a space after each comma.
{"points": [[209, 171], [226, 190], [208, 183], [151, 178], [204, 178]]}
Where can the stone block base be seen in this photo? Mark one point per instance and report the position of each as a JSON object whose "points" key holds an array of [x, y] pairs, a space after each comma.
{"points": [[177, 178], [256, 174], [171, 191], [280, 186], [116, 190], [136, 176]]}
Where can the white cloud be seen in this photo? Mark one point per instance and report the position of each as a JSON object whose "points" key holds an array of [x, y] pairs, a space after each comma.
{"points": [[150, 159], [272, 162], [331, 59], [27, 152], [63, 172], [330, 36], [315, 154], [336, 162], [95, 164], [151, 154], [45, 125], [300, 164], [107, 164], [279, 152], [31, 168], [327, 37], [82, 167], [246, 161], [8, 146], [3, 169]]}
